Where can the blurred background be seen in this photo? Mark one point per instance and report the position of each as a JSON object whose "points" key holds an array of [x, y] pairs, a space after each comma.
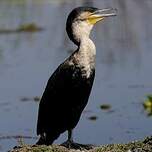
{"points": [[33, 42]]}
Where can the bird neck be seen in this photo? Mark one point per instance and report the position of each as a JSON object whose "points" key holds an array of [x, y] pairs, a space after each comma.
{"points": [[87, 47], [86, 55], [80, 31]]}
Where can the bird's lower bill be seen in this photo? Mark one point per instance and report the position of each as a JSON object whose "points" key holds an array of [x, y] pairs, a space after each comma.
{"points": [[93, 20]]}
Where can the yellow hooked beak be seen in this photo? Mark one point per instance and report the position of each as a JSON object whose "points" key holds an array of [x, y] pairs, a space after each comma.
{"points": [[101, 14]]}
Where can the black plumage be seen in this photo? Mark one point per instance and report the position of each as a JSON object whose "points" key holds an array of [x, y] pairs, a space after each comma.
{"points": [[63, 101]]}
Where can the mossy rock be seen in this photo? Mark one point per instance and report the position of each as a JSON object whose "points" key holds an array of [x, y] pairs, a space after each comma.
{"points": [[135, 146]]}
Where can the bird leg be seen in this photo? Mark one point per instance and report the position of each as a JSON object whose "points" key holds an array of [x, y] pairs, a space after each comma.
{"points": [[72, 145]]}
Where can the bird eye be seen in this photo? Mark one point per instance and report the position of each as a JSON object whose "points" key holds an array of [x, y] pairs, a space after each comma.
{"points": [[80, 19]]}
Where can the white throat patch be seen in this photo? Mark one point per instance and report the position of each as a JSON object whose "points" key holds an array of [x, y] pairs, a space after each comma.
{"points": [[87, 51], [86, 56]]}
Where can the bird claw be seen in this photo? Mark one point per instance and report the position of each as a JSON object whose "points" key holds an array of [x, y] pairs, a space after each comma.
{"points": [[71, 145]]}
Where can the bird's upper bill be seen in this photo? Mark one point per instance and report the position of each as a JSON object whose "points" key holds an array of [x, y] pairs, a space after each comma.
{"points": [[100, 14]]}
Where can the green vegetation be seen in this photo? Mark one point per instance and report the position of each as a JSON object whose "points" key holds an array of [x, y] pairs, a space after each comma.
{"points": [[136, 146], [105, 106], [148, 105], [93, 118], [29, 27]]}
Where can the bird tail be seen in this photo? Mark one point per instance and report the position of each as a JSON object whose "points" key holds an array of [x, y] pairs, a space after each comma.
{"points": [[44, 140]]}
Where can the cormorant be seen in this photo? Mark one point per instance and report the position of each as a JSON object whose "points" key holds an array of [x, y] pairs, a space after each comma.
{"points": [[69, 87]]}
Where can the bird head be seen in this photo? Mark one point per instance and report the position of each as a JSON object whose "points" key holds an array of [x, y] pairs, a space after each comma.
{"points": [[81, 20]]}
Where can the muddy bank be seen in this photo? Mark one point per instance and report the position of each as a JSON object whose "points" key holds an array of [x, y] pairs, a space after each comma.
{"points": [[144, 145]]}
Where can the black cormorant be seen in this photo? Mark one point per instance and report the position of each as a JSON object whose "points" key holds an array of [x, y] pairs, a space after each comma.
{"points": [[69, 87]]}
